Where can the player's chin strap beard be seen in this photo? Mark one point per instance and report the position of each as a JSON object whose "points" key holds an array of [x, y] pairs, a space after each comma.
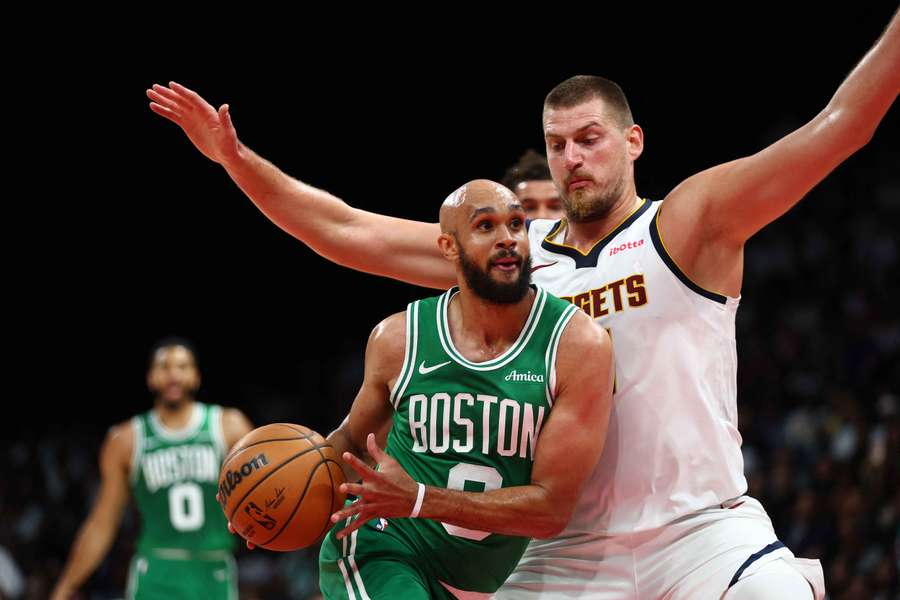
{"points": [[595, 208]]}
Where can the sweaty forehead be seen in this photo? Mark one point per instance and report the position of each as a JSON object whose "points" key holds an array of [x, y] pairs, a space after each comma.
{"points": [[474, 198], [487, 197], [487, 192], [475, 209]]}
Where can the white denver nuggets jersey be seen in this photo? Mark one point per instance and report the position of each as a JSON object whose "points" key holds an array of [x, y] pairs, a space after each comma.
{"points": [[673, 445]]}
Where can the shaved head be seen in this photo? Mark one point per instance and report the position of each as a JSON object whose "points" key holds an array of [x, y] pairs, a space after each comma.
{"points": [[483, 231], [466, 199]]}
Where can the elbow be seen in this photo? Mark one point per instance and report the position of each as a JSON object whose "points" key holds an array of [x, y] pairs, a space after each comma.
{"points": [[548, 533], [551, 523], [549, 529], [854, 130], [864, 138], [552, 510], [100, 531]]}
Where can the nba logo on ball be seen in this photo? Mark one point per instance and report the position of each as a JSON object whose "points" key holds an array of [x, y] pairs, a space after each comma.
{"points": [[280, 485]]}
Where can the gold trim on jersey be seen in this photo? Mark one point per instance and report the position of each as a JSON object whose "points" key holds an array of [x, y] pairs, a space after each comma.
{"points": [[675, 262], [565, 223]]}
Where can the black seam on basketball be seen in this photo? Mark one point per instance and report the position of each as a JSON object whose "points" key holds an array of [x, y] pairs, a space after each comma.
{"points": [[308, 433], [327, 460], [303, 436], [269, 474], [328, 524], [235, 451], [309, 479]]}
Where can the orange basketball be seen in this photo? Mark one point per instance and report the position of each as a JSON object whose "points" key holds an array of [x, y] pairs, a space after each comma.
{"points": [[279, 486]]}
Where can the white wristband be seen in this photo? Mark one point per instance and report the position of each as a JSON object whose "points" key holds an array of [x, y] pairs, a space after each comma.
{"points": [[419, 498]]}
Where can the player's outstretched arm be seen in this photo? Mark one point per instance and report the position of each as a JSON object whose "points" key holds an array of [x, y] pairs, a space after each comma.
{"points": [[709, 216], [97, 533], [369, 242], [569, 446]]}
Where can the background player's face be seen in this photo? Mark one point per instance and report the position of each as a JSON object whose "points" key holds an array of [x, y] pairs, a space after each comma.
{"points": [[540, 199], [173, 376], [492, 247], [590, 158]]}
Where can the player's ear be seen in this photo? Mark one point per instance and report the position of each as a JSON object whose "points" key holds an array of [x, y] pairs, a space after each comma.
{"points": [[448, 246], [634, 141]]}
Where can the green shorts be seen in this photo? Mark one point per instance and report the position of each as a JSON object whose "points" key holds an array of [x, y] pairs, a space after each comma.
{"points": [[152, 577], [373, 564]]}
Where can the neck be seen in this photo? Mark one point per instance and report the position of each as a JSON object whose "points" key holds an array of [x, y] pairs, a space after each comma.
{"points": [[484, 330], [174, 417], [584, 235]]}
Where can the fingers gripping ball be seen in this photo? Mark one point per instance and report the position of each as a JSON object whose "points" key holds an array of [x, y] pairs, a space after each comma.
{"points": [[280, 485]]}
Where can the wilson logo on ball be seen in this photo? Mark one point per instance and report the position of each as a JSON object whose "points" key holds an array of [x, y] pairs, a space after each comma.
{"points": [[234, 478]]}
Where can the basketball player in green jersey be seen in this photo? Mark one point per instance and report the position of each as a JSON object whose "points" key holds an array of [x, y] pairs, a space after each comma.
{"points": [[492, 421], [167, 458]]}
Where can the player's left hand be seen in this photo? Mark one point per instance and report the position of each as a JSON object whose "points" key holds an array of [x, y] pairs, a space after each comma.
{"points": [[388, 492], [231, 530]]}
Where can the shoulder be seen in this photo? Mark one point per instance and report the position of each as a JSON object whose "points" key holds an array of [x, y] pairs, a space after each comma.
{"points": [[584, 343], [121, 434], [231, 415], [389, 335], [235, 425], [386, 348], [582, 338], [119, 444]]}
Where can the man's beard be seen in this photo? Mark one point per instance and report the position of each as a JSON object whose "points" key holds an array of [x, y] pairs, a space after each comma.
{"points": [[586, 205], [487, 288], [175, 404]]}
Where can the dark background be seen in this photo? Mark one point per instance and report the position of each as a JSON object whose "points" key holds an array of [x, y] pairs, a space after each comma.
{"points": [[133, 235]]}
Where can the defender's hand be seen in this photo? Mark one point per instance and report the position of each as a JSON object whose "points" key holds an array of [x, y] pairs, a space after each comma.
{"points": [[211, 131]]}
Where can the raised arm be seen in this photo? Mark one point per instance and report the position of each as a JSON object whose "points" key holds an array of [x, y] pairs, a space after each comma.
{"points": [[572, 437], [98, 531], [706, 220], [361, 240]]}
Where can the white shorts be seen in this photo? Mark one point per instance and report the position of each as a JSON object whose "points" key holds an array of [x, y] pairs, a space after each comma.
{"points": [[697, 557]]}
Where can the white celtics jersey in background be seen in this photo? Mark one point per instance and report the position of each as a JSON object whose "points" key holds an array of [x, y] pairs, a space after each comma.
{"points": [[673, 445]]}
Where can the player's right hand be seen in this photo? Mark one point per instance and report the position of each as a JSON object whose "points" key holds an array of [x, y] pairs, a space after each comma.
{"points": [[211, 131]]}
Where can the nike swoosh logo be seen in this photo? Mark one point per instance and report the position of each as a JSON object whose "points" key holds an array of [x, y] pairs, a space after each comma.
{"points": [[533, 269], [423, 370]]}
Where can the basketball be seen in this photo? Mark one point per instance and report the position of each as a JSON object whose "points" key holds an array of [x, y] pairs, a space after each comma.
{"points": [[279, 486]]}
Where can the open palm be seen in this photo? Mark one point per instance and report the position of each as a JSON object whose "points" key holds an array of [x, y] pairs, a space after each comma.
{"points": [[211, 131]]}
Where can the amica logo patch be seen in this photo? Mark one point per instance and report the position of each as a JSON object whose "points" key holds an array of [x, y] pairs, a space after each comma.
{"points": [[528, 376]]}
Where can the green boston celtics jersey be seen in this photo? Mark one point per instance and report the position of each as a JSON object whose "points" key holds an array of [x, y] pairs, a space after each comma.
{"points": [[473, 427], [174, 479]]}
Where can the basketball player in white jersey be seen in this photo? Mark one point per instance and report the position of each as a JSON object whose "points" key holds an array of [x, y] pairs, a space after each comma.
{"points": [[664, 515]]}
